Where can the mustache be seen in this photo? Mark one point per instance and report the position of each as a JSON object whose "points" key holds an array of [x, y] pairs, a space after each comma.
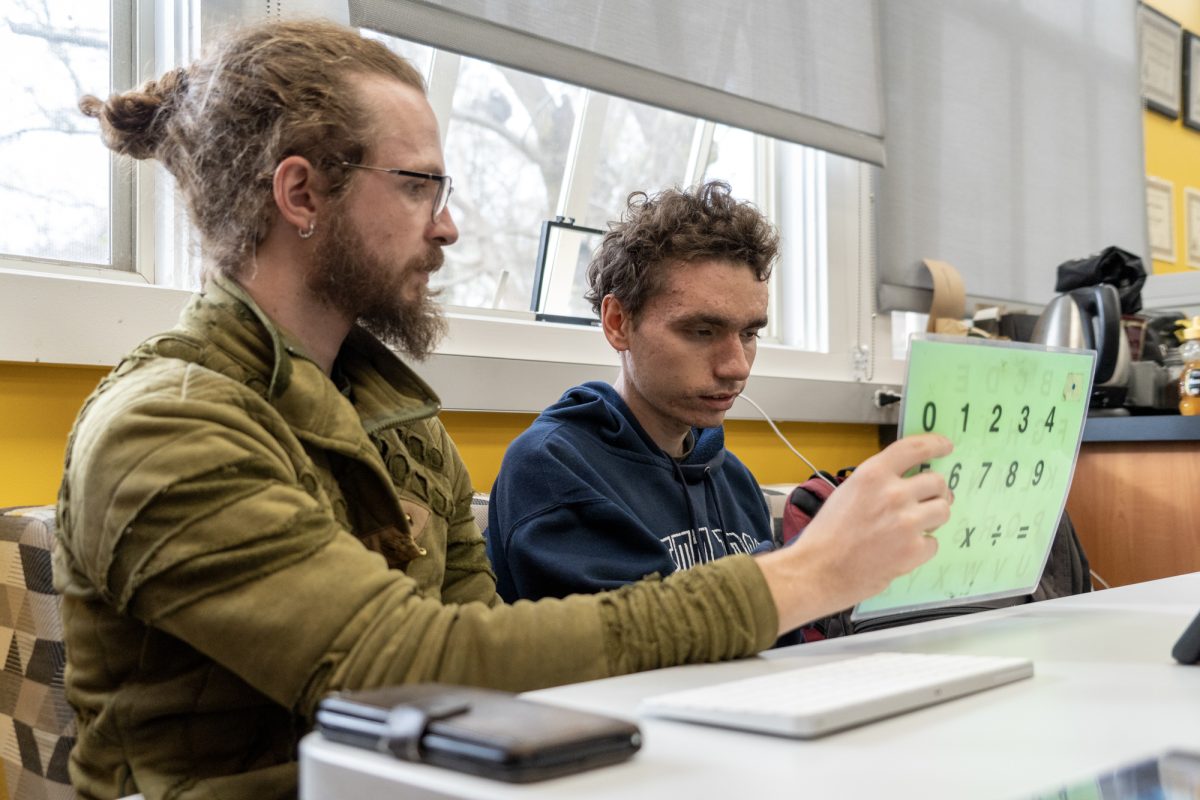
{"points": [[432, 261]]}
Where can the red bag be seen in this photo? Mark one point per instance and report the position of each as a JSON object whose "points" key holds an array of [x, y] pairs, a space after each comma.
{"points": [[802, 505], [806, 500]]}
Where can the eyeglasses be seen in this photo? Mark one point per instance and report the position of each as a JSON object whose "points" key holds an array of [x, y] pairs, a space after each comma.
{"points": [[426, 186]]}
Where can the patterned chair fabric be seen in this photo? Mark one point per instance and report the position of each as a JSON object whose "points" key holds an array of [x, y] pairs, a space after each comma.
{"points": [[479, 510], [37, 726]]}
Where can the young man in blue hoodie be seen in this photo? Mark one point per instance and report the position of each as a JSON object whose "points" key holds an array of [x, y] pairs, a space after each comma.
{"points": [[613, 483]]}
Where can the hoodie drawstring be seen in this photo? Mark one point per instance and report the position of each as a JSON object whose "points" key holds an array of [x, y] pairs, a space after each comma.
{"points": [[712, 492], [702, 473], [693, 524]]}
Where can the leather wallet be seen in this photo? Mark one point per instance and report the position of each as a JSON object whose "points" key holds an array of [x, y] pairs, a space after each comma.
{"points": [[481, 731]]}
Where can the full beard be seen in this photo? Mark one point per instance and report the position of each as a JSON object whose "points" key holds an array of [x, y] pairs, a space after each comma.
{"points": [[371, 290]]}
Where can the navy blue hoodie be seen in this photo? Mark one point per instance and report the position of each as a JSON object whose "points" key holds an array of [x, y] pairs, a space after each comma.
{"points": [[586, 501]]}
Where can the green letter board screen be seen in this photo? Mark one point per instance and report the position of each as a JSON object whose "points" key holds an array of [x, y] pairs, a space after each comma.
{"points": [[1015, 413]]}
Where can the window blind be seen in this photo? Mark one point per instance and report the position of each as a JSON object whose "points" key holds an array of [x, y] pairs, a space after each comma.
{"points": [[1014, 143], [806, 72]]}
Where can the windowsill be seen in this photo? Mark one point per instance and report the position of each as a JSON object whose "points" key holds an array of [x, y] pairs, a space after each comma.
{"points": [[57, 319], [69, 319]]}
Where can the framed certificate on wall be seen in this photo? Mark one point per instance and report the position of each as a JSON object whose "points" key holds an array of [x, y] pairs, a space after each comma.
{"points": [[1160, 218], [1191, 80], [1160, 40], [1191, 221]]}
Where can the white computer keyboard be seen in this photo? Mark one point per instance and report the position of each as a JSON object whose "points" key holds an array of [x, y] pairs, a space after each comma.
{"points": [[813, 701]]}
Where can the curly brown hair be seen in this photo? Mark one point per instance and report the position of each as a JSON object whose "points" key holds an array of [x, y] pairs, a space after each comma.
{"points": [[221, 126], [674, 226]]}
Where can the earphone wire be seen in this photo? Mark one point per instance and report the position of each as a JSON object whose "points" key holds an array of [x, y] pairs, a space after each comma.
{"points": [[783, 438]]}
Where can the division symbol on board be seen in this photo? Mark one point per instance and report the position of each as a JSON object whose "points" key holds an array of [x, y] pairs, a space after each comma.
{"points": [[996, 536]]}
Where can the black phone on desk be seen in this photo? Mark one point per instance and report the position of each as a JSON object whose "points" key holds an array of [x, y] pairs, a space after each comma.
{"points": [[1187, 649], [483, 732]]}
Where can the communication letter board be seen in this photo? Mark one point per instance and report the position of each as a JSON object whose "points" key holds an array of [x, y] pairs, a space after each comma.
{"points": [[1015, 413]]}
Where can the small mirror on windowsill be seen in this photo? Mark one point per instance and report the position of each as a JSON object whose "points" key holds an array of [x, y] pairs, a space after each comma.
{"points": [[560, 275]]}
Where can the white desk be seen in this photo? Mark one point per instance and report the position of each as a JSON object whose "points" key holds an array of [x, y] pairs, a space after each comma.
{"points": [[1105, 692]]}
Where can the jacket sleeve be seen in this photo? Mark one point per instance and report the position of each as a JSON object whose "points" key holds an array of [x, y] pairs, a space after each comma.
{"points": [[188, 515]]}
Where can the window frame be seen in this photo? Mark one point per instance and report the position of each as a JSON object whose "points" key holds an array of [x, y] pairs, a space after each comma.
{"points": [[497, 362], [130, 36]]}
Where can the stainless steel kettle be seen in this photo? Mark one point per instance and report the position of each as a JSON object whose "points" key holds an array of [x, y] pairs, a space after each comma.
{"points": [[1090, 319]]}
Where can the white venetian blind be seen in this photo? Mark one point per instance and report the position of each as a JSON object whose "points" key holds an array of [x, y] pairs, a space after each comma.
{"points": [[1014, 143], [805, 72]]}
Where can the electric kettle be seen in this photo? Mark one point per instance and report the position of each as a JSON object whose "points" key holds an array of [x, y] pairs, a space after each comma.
{"points": [[1090, 319]]}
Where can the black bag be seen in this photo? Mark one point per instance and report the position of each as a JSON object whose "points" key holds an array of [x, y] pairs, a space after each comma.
{"points": [[1067, 572], [1111, 265]]}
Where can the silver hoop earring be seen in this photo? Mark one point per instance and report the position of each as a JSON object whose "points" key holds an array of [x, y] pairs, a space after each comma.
{"points": [[312, 228]]}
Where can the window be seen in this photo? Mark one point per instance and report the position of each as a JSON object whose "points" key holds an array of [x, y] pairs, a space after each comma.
{"points": [[85, 231], [636, 147], [524, 149], [60, 198], [507, 143]]}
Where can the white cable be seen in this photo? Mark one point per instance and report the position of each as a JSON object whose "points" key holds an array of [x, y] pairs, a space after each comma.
{"points": [[783, 438], [1099, 580]]}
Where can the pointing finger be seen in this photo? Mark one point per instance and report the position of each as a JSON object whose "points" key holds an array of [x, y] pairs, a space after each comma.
{"points": [[929, 485], [903, 455]]}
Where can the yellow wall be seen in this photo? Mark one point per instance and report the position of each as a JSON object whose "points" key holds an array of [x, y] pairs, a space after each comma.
{"points": [[829, 447], [1173, 150], [38, 403], [482, 439]]}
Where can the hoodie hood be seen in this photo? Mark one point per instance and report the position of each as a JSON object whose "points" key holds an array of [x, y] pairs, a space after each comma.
{"points": [[597, 406]]}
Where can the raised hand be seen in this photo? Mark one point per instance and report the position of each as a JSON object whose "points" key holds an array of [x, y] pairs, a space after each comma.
{"points": [[869, 532]]}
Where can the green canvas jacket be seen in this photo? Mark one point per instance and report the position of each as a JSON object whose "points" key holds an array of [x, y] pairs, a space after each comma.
{"points": [[240, 534]]}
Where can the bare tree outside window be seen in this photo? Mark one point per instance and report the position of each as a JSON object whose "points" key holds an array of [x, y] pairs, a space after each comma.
{"points": [[733, 159], [642, 148], [507, 145], [55, 192]]}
